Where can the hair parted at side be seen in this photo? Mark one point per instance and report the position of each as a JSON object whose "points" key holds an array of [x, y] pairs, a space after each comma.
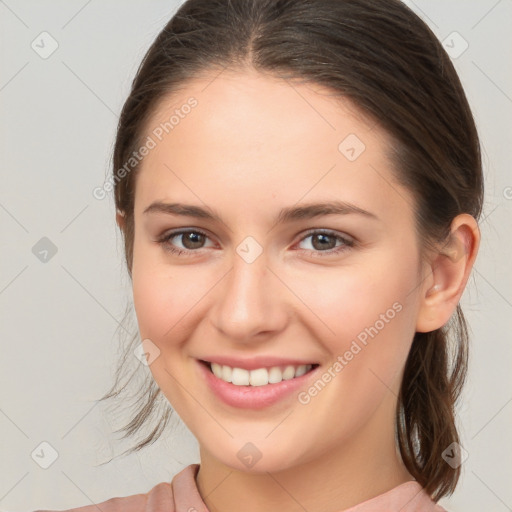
{"points": [[383, 58]]}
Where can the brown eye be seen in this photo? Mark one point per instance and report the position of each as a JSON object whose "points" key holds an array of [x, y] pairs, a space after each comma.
{"points": [[192, 240], [321, 241], [325, 243]]}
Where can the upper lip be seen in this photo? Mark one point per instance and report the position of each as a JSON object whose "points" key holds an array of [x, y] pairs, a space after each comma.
{"points": [[255, 362]]}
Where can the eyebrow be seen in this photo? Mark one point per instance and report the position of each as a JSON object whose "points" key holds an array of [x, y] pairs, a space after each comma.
{"points": [[288, 214]]}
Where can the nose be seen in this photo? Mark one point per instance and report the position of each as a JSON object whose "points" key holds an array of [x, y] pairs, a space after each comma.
{"points": [[250, 304]]}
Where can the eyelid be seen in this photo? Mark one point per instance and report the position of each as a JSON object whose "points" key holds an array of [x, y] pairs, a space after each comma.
{"points": [[325, 231], [168, 235], [348, 240]]}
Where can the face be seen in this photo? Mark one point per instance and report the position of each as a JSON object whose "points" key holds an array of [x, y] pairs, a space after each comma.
{"points": [[267, 280]]}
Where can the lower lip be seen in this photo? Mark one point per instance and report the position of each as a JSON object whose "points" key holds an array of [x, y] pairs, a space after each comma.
{"points": [[253, 397]]}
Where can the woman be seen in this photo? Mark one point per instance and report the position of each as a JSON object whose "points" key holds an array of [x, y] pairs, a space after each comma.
{"points": [[314, 378]]}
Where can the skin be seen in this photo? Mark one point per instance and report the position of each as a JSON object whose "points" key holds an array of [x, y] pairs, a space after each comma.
{"points": [[253, 145]]}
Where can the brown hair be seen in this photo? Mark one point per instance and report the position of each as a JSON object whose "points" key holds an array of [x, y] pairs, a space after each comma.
{"points": [[384, 59]]}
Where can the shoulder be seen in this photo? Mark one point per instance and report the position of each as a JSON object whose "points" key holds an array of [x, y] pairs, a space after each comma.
{"points": [[168, 496], [407, 497], [160, 497]]}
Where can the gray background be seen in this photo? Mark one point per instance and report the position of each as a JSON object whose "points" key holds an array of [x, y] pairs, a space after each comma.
{"points": [[59, 316]]}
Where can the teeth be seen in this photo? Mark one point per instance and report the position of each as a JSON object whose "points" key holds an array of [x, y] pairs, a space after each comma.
{"points": [[301, 370], [225, 373], [260, 376], [289, 373], [275, 375], [239, 377]]}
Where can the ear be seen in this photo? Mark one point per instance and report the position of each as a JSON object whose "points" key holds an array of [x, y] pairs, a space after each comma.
{"points": [[120, 219], [447, 274]]}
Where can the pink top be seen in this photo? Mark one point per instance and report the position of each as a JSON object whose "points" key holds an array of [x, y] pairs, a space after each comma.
{"points": [[182, 495]]}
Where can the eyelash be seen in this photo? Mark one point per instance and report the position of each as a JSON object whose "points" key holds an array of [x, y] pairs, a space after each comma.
{"points": [[347, 242]]}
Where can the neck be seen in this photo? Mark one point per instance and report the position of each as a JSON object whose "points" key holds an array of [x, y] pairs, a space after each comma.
{"points": [[360, 469]]}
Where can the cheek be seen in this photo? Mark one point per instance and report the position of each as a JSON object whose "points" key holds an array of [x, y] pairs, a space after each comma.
{"points": [[352, 302], [160, 297], [373, 324], [370, 314], [155, 306], [170, 301], [160, 301]]}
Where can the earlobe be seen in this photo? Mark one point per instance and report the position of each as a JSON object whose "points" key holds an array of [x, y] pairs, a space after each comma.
{"points": [[449, 270]]}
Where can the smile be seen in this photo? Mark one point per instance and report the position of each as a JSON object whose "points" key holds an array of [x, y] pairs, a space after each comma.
{"points": [[255, 388], [258, 376]]}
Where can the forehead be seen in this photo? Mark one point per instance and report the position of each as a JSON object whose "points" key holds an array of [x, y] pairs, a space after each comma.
{"points": [[249, 139]]}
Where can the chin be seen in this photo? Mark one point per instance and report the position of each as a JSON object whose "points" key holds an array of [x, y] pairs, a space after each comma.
{"points": [[257, 457]]}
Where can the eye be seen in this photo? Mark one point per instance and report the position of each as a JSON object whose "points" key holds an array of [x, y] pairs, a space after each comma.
{"points": [[192, 239], [323, 243]]}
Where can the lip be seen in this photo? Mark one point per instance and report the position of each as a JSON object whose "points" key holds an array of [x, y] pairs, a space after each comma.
{"points": [[252, 397], [255, 362]]}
